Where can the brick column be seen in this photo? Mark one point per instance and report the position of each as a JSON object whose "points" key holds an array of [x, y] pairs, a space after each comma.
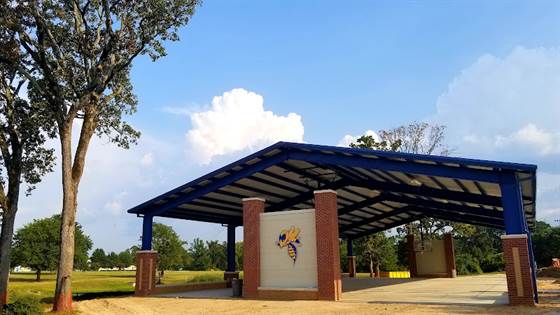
{"points": [[411, 255], [146, 262], [449, 255], [328, 252], [252, 208], [352, 266], [518, 269]]}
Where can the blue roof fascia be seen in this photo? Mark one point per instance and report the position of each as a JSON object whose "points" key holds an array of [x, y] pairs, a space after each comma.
{"points": [[416, 156]]}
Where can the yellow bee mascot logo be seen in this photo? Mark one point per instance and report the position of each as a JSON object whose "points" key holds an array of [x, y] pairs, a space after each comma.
{"points": [[290, 238]]}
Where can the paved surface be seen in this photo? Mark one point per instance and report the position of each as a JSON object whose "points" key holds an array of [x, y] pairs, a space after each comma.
{"points": [[484, 289], [215, 293]]}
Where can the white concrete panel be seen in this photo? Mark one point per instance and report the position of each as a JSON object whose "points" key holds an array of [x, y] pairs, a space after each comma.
{"points": [[278, 269]]}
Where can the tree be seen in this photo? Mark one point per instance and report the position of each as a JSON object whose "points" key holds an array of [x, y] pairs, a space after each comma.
{"points": [[479, 249], [77, 56], [98, 259], [239, 255], [112, 259], [217, 254], [419, 138], [546, 243], [36, 244], [124, 259], [23, 156], [169, 246], [380, 251], [199, 254]]}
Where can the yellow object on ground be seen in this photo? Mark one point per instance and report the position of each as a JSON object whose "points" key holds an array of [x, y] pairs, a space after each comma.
{"points": [[395, 274]]}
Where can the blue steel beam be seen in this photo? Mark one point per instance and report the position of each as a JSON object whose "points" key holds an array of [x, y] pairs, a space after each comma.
{"points": [[230, 248], [455, 209], [217, 184], [361, 204], [147, 223], [195, 215], [386, 215], [389, 165], [412, 218], [464, 218], [512, 204], [430, 192]]}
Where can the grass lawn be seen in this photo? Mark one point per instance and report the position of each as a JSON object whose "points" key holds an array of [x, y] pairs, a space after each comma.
{"points": [[98, 283]]}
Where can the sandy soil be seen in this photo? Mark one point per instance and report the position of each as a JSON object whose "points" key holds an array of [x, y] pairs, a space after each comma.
{"points": [[170, 306], [550, 304]]}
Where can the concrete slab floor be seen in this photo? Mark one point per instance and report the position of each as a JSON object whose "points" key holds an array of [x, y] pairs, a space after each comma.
{"points": [[483, 289]]}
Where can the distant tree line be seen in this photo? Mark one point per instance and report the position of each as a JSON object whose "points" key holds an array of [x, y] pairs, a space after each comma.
{"points": [[477, 249]]}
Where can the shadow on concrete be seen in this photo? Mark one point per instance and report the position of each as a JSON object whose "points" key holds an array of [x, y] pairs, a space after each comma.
{"points": [[355, 284]]}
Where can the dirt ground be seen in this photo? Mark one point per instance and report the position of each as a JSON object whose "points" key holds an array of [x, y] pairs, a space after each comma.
{"points": [[170, 306], [550, 304]]}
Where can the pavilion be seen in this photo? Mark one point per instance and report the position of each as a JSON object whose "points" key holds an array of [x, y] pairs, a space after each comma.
{"points": [[375, 191]]}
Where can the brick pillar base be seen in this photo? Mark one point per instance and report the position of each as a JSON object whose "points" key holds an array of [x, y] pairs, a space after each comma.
{"points": [[328, 249], [146, 262], [411, 256], [229, 275], [351, 266], [449, 255], [518, 269], [252, 209]]}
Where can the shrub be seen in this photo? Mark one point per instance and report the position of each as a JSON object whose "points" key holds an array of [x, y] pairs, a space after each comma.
{"points": [[467, 265], [24, 305]]}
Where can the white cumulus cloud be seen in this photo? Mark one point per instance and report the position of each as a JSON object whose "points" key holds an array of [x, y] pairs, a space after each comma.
{"points": [[237, 120], [505, 105], [508, 108], [349, 139], [542, 141], [147, 159]]}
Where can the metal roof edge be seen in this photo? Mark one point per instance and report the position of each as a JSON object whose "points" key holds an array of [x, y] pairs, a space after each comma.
{"points": [[436, 158], [139, 208]]}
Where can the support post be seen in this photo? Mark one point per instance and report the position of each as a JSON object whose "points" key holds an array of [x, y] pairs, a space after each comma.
{"points": [[230, 272], [252, 209], [147, 224], [351, 259], [449, 255], [328, 251], [519, 261], [411, 256]]}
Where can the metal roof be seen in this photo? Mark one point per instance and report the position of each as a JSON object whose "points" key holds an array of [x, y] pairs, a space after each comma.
{"points": [[377, 190]]}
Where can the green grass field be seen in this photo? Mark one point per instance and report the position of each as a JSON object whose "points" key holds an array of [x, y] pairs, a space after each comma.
{"points": [[98, 283]]}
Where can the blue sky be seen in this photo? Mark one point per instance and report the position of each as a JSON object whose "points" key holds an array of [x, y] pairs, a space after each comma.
{"points": [[489, 70]]}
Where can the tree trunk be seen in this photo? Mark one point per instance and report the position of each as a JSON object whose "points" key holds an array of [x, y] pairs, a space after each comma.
{"points": [[371, 274], [377, 271], [5, 252], [38, 275], [7, 233], [63, 292], [71, 174]]}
